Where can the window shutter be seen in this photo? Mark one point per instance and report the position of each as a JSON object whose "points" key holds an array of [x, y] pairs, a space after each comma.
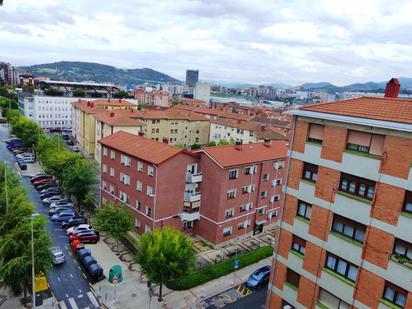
{"points": [[359, 138]]}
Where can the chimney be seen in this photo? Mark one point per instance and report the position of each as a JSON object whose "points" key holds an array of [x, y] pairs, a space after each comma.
{"points": [[111, 114], [267, 142], [238, 145], [140, 133], [392, 88], [262, 128], [165, 140]]}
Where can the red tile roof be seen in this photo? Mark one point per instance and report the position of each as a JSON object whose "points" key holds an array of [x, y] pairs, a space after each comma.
{"points": [[119, 117], [169, 113], [228, 155], [94, 106], [387, 109], [140, 147]]}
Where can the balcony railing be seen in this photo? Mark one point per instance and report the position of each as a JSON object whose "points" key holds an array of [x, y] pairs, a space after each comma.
{"points": [[193, 178], [192, 196]]}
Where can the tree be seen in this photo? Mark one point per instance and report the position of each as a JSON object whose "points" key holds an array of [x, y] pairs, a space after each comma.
{"points": [[114, 221], [211, 144], [79, 92], [195, 146], [164, 255], [120, 95], [77, 180], [222, 142]]}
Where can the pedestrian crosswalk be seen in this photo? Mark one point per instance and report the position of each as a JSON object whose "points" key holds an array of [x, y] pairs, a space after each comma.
{"points": [[71, 303]]}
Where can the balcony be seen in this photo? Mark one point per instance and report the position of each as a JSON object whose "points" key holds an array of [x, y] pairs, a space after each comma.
{"points": [[337, 285], [306, 190], [290, 292], [193, 178], [190, 216], [359, 164], [404, 227], [399, 273], [344, 246], [352, 207], [192, 196]]}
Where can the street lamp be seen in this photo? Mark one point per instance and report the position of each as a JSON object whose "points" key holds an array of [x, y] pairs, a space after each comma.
{"points": [[32, 261]]}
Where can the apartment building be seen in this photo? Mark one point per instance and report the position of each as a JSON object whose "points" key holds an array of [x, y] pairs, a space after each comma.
{"points": [[84, 123], [241, 190], [153, 97], [346, 225], [241, 131], [112, 121], [218, 193]]}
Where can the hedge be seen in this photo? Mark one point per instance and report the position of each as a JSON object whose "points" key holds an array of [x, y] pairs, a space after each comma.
{"points": [[214, 271]]}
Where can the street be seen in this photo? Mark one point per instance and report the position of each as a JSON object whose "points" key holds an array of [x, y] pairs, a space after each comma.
{"points": [[67, 281], [255, 300]]}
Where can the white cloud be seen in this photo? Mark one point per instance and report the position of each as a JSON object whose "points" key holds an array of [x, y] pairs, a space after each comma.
{"points": [[239, 40]]}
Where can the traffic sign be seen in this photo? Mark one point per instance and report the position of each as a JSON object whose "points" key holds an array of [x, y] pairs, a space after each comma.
{"points": [[236, 264], [115, 280]]}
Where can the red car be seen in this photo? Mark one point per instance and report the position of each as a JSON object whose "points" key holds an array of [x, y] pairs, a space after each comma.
{"points": [[43, 182], [41, 177], [86, 236]]}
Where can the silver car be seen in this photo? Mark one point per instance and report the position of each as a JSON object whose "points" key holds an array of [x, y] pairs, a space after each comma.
{"points": [[57, 255]]}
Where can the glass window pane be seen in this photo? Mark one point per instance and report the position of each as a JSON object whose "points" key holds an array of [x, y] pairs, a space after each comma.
{"points": [[338, 226], [331, 262], [314, 176], [389, 293], [308, 212], [295, 246], [360, 235], [371, 190], [301, 210], [409, 254], [362, 189], [343, 305], [348, 231], [400, 300], [352, 272], [352, 187], [302, 250], [344, 185], [341, 269], [408, 206], [307, 174], [400, 249]]}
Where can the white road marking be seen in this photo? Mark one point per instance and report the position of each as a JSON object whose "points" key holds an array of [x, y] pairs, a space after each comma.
{"points": [[92, 299], [73, 303], [62, 305], [67, 295], [80, 296], [71, 275], [58, 278], [80, 291]]}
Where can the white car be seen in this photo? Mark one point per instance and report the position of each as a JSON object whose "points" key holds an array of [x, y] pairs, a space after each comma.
{"points": [[75, 148], [57, 255], [27, 157], [53, 199], [81, 227], [61, 204]]}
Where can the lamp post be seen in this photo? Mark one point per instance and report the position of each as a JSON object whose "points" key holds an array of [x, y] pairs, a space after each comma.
{"points": [[32, 261]]}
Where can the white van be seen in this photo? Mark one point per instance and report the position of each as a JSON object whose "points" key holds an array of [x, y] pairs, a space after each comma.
{"points": [[27, 157]]}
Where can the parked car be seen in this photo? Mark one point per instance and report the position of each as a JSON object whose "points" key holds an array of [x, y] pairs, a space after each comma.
{"points": [[46, 181], [81, 253], [66, 214], [70, 143], [22, 166], [86, 237], [46, 186], [49, 194], [57, 255], [11, 139], [65, 136], [53, 199], [27, 157], [75, 221], [259, 278], [39, 178], [57, 210], [78, 228], [61, 204], [36, 175], [88, 260], [74, 148], [95, 272], [50, 189]]}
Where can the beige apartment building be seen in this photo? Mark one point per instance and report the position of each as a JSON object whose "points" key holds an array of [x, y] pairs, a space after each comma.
{"points": [[84, 123]]}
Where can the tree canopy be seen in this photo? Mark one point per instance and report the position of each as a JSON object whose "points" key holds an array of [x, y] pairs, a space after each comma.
{"points": [[164, 255]]}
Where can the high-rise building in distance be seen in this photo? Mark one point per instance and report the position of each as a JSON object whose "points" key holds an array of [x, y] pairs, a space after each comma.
{"points": [[192, 77]]}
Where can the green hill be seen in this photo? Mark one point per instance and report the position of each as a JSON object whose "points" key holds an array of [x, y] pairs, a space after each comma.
{"points": [[100, 73]]}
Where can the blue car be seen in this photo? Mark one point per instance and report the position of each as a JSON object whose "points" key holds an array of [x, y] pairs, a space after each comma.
{"points": [[63, 216], [259, 278]]}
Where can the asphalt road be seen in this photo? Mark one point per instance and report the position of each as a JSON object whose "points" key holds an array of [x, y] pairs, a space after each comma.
{"points": [[67, 281], [255, 300]]}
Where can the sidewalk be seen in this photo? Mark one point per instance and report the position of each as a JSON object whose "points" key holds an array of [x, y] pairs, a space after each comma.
{"points": [[133, 291]]}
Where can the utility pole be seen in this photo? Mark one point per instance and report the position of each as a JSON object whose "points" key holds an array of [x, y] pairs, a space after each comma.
{"points": [[32, 262], [5, 188]]}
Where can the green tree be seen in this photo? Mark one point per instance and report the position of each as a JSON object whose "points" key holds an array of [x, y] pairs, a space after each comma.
{"points": [[222, 142], [77, 180], [211, 144], [114, 221], [164, 255], [120, 95], [79, 92], [195, 146]]}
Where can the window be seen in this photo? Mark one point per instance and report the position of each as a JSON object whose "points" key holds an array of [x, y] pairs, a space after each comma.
{"points": [[112, 154], [227, 231], [112, 171], [341, 267], [148, 211], [123, 197], [310, 172], [261, 211], [111, 189], [125, 179], [265, 177], [104, 185], [149, 190], [298, 244], [274, 198], [251, 170], [365, 142], [104, 168], [229, 213], [231, 194], [136, 223], [279, 165], [402, 249], [247, 189], [233, 174], [263, 194], [292, 277], [331, 301], [395, 294], [138, 205], [348, 228], [105, 151], [277, 182], [245, 207], [358, 186], [140, 166], [407, 204], [139, 186], [125, 160], [150, 170], [315, 133], [304, 210]]}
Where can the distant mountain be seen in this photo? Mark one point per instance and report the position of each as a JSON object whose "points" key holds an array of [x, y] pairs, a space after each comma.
{"points": [[316, 85], [279, 85], [100, 73]]}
